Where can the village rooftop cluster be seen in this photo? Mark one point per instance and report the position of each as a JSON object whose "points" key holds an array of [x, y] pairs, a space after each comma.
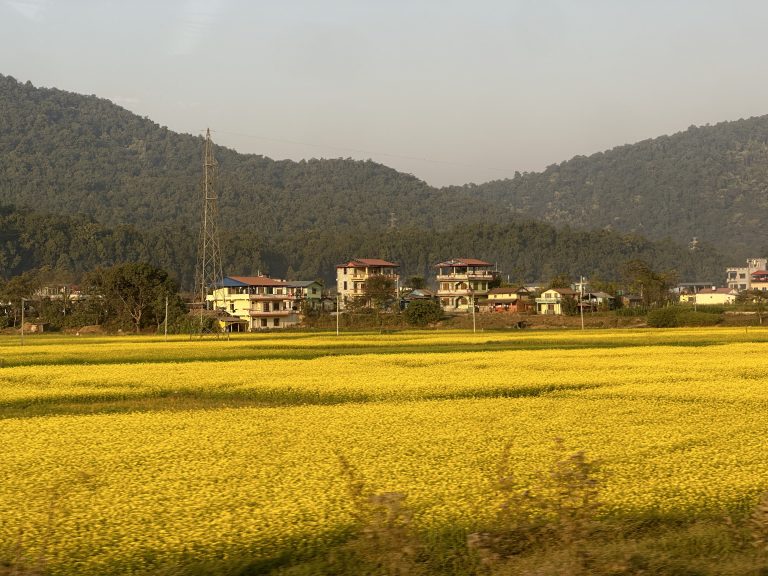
{"points": [[248, 303]]}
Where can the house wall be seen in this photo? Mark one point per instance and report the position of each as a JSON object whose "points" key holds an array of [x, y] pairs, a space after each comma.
{"points": [[715, 298], [458, 286], [264, 307], [350, 281]]}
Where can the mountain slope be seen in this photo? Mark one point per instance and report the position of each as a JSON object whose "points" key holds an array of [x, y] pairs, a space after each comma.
{"points": [[63, 153], [709, 182]]}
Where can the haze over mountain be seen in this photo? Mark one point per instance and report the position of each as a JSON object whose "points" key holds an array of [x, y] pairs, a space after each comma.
{"points": [[63, 153]]}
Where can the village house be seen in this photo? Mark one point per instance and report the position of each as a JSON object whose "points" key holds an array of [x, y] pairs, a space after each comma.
{"points": [[759, 280], [708, 295], [510, 299], [308, 293], [552, 301], [631, 301], [416, 294], [594, 301], [741, 278], [461, 281], [711, 295], [251, 303], [352, 276], [66, 292]]}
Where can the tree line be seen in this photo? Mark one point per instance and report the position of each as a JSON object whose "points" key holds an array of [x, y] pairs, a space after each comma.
{"points": [[524, 251]]}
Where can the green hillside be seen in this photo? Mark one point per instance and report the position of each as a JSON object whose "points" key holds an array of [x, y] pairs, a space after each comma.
{"points": [[96, 166], [709, 182]]}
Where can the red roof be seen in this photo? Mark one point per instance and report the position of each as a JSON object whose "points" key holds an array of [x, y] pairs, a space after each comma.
{"points": [[759, 272], [463, 262], [365, 262], [258, 280]]}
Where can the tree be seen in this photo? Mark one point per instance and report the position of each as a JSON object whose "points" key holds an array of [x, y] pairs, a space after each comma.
{"points": [[758, 298], [134, 294], [22, 286], [560, 281], [417, 282], [379, 290], [569, 306], [423, 312], [652, 286]]}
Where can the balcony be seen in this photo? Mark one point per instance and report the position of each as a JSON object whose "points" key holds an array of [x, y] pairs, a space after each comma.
{"points": [[269, 297], [480, 275], [270, 314], [462, 292]]}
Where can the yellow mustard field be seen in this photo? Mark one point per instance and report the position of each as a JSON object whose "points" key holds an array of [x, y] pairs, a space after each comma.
{"points": [[181, 456]]}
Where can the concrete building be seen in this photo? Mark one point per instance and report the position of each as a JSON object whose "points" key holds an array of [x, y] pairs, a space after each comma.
{"points": [[352, 275], [461, 281], [250, 303], [741, 278]]}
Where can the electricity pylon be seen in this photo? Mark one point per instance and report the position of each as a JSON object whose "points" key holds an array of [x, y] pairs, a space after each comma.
{"points": [[209, 273]]}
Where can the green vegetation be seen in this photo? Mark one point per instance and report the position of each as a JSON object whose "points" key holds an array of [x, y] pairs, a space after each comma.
{"points": [[681, 186], [107, 186], [423, 312], [677, 316]]}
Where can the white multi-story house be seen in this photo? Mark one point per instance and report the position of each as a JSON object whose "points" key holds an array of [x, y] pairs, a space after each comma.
{"points": [[255, 303], [352, 275], [462, 281], [741, 278]]}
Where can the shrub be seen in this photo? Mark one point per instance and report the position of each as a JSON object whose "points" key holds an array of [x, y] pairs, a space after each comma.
{"points": [[693, 318], [423, 312], [673, 316], [663, 318], [634, 311]]}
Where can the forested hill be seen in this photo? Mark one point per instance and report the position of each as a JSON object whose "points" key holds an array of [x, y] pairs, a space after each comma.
{"points": [[708, 182], [63, 152], [67, 154], [524, 251]]}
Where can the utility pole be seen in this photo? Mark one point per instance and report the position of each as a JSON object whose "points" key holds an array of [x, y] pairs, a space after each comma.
{"points": [[472, 302], [209, 271], [581, 300], [166, 320], [338, 312], [22, 320]]}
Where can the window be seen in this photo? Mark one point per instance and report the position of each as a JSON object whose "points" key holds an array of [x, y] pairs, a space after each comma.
{"points": [[276, 322], [263, 322], [345, 284], [314, 290]]}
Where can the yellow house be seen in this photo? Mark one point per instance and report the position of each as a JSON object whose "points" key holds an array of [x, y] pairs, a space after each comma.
{"points": [[509, 299], [255, 303]]}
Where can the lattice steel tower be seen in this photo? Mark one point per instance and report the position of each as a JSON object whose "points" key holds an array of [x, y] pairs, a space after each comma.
{"points": [[209, 272]]}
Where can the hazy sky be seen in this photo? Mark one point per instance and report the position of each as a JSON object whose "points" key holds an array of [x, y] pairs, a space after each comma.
{"points": [[452, 92]]}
